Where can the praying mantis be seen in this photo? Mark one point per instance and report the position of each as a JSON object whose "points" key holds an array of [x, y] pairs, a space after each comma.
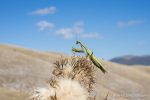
{"points": [[96, 61]]}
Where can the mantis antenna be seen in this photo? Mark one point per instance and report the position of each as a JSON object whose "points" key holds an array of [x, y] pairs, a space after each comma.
{"points": [[76, 37]]}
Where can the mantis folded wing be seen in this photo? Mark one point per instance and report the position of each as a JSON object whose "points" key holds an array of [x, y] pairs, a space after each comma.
{"points": [[97, 63]]}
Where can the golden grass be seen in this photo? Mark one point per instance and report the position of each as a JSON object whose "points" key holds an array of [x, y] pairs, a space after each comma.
{"points": [[7, 94]]}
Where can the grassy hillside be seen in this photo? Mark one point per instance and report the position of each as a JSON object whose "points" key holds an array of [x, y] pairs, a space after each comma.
{"points": [[143, 68], [24, 69], [6, 94]]}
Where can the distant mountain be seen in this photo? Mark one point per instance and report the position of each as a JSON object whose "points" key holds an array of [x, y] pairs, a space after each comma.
{"points": [[132, 60]]}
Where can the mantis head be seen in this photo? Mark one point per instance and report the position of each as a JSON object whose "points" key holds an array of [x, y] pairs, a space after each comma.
{"points": [[77, 42]]}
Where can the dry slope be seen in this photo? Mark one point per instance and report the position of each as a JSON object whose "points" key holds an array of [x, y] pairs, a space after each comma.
{"points": [[24, 69]]}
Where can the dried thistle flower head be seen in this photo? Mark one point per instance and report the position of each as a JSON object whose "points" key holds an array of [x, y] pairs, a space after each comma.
{"points": [[43, 94], [77, 68], [68, 89], [73, 80]]}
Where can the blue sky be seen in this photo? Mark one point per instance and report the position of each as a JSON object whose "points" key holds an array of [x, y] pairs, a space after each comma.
{"points": [[110, 28]]}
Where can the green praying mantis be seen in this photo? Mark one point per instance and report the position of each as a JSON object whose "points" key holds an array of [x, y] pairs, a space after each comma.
{"points": [[96, 61]]}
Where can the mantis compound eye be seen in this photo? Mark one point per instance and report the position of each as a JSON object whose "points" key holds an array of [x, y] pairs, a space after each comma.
{"points": [[77, 42]]}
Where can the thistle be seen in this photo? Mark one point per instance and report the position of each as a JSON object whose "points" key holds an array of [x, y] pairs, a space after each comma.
{"points": [[74, 81]]}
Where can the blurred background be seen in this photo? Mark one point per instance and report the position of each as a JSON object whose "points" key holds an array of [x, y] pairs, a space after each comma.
{"points": [[34, 33]]}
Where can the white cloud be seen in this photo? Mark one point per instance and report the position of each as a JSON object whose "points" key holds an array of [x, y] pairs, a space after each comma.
{"points": [[70, 32], [135, 22], [90, 35], [67, 33], [120, 24], [76, 30], [78, 27], [128, 23], [79, 24], [43, 25], [44, 11]]}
